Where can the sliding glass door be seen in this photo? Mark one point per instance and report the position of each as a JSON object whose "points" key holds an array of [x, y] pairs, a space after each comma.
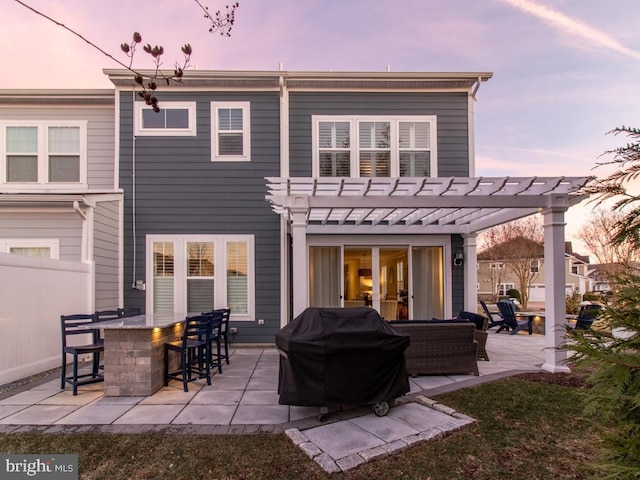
{"points": [[400, 282]]}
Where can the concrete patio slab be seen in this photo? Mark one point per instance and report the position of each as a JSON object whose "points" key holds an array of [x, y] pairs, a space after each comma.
{"points": [[217, 397], [38, 415], [205, 415], [342, 439], [261, 415], [94, 415], [149, 414], [386, 428]]}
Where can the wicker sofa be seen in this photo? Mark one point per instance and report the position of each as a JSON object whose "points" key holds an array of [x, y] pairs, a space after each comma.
{"points": [[439, 347]]}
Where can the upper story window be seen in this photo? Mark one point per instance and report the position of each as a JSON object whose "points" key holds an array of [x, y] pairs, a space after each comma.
{"points": [[44, 153], [364, 146], [173, 119], [535, 266], [231, 133]]}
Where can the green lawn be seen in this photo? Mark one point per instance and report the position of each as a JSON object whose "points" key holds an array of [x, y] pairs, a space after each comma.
{"points": [[526, 430]]}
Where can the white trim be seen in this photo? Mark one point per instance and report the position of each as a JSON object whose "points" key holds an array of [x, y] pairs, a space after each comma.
{"points": [[394, 148], [53, 244], [190, 131], [424, 205], [472, 134], [42, 154], [220, 283], [246, 131]]}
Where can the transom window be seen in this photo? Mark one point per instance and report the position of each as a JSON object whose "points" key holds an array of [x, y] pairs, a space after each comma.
{"points": [[31, 247], [197, 273], [173, 119], [374, 146], [231, 135], [44, 153]]}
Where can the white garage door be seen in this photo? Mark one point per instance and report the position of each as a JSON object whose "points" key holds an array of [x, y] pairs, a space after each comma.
{"points": [[536, 292]]}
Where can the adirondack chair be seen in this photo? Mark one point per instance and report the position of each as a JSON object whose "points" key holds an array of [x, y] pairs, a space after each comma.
{"points": [[508, 312], [492, 322], [587, 315]]}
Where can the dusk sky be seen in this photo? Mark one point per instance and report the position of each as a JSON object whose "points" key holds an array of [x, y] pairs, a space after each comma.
{"points": [[565, 71]]}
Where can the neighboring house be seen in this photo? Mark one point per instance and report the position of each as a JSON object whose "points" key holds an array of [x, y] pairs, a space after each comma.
{"points": [[496, 278], [370, 188], [602, 275], [60, 217]]}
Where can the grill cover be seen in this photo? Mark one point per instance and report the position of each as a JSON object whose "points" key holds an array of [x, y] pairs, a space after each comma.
{"points": [[340, 356]]}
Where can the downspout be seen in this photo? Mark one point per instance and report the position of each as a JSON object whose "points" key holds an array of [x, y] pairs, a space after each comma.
{"points": [[133, 192]]}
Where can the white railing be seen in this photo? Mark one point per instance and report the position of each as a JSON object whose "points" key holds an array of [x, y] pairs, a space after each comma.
{"points": [[34, 292]]}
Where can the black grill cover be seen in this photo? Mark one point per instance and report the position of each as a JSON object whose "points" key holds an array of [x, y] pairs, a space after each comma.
{"points": [[340, 356]]}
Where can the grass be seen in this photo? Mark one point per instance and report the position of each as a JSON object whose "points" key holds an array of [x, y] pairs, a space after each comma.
{"points": [[527, 428]]}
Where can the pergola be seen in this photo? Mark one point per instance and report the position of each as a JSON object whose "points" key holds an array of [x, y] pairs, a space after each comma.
{"points": [[444, 206]]}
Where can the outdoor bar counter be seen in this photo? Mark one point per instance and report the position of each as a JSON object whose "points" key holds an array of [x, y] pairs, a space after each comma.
{"points": [[134, 352]]}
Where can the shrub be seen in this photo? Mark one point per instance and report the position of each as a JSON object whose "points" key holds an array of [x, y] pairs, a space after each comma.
{"points": [[573, 303], [591, 297], [614, 374], [514, 293]]}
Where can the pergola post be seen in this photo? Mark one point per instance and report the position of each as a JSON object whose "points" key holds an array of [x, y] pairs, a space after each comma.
{"points": [[555, 296], [470, 272], [298, 208]]}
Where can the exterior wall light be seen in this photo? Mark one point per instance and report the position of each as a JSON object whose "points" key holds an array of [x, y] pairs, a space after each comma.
{"points": [[458, 259]]}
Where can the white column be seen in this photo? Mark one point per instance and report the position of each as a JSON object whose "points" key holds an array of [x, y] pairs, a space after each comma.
{"points": [[299, 209], [470, 273], [555, 297]]}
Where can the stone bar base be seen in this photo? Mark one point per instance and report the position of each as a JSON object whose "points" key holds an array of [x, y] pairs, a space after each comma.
{"points": [[134, 360]]}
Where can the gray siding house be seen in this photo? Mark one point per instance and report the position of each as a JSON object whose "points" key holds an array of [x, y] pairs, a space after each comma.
{"points": [[60, 219], [59, 197], [269, 192]]}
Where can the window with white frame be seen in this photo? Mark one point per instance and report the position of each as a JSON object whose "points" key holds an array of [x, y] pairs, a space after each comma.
{"points": [[231, 132], [497, 266], [535, 266], [44, 153], [175, 119], [31, 247], [197, 273], [368, 146], [503, 288]]}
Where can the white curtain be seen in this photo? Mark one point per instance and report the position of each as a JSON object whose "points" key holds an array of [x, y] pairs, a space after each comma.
{"points": [[324, 276], [428, 287]]}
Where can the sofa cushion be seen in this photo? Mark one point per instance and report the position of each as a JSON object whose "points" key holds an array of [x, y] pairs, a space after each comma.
{"points": [[433, 320], [479, 320]]}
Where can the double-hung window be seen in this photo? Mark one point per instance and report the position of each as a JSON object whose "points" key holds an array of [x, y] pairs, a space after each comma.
{"points": [[175, 119], [231, 132], [366, 146], [44, 153], [197, 273]]}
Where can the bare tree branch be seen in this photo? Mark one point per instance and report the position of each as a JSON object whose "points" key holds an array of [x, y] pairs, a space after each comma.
{"points": [[221, 23]]}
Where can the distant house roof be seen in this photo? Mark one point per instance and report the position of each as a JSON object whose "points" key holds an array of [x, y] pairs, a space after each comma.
{"points": [[57, 97], [506, 249], [503, 250]]}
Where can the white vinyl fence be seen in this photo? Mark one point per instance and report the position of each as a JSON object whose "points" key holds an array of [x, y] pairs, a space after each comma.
{"points": [[34, 292]]}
